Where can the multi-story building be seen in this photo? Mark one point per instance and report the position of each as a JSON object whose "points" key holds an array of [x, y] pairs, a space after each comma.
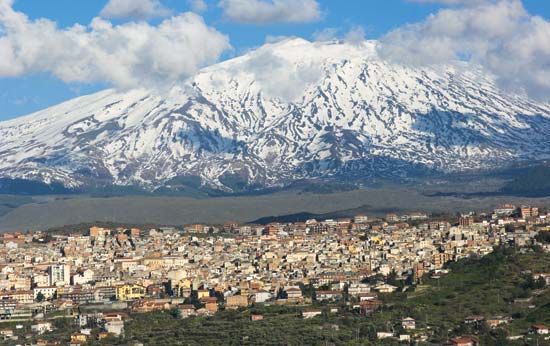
{"points": [[59, 274]]}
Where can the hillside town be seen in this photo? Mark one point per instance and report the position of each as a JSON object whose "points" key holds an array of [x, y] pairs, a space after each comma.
{"points": [[99, 277]]}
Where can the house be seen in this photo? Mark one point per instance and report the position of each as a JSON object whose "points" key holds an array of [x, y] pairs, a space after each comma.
{"points": [[368, 306], [539, 329], [361, 219], [262, 296], [203, 294], [6, 334], [358, 289], [329, 295], [293, 293], [385, 288], [384, 335], [496, 321], [115, 327], [310, 313], [130, 292], [148, 305], [464, 341], [41, 327], [78, 338], [210, 304], [256, 317], [113, 317], [367, 296], [48, 292], [187, 310], [236, 301], [408, 323], [404, 337]]}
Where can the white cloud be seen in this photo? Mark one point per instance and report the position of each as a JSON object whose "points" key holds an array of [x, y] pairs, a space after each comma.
{"points": [[125, 56], [276, 74], [271, 11], [450, 2], [136, 9], [500, 36], [277, 38], [326, 34], [198, 5], [355, 35]]}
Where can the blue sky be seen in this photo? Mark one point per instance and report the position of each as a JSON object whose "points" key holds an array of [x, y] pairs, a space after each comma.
{"points": [[36, 90]]}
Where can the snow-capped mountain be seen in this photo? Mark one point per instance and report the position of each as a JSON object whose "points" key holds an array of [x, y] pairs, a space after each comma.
{"points": [[286, 111]]}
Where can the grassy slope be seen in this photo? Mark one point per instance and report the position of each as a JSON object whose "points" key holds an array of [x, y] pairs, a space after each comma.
{"points": [[485, 287]]}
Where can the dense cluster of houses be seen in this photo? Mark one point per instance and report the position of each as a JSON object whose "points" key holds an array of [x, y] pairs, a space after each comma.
{"points": [[202, 268]]}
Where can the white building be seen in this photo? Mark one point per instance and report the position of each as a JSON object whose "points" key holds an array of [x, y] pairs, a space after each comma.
{"points": [[59, 274], [115, 327], [361, 219], [84, 277], [48, 291], [262, 296], [42, 327]]}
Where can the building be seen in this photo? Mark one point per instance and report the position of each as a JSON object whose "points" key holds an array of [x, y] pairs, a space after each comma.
{"points": [[293, 292], [78, 338], [361, 219], [528, 211], [187, 310], [48, 292], [310, 313], [256, 317], [41, 327], [262, 296], [115, 327], [329, 295], [539, 329], [59, 275], [408, 323], [130, 292], [392, 218], [19, 296], [505, 209], [384, 335], [466, 221], [236, 301], [357, 289]]}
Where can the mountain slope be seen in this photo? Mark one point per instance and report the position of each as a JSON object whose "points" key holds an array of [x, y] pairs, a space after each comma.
{"points": [[286, 111]]}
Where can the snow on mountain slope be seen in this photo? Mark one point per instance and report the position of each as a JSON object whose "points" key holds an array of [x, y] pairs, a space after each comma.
{"points": [[286, 111]]}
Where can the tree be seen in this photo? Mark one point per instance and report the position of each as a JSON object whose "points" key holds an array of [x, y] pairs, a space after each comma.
{"points": [[308, 291], [392, 278], [540, 283], [40, 297], [176, 313], [543, 237]]}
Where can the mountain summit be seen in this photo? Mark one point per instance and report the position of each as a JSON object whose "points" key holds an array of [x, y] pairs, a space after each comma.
{"points": [[286, 111]]}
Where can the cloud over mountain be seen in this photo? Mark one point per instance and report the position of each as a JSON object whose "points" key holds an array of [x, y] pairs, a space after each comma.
{"points": [[501, 36], [128, 55]]}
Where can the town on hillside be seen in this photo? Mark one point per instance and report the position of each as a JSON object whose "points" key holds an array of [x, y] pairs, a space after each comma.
{"points": [[99, 279]]}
